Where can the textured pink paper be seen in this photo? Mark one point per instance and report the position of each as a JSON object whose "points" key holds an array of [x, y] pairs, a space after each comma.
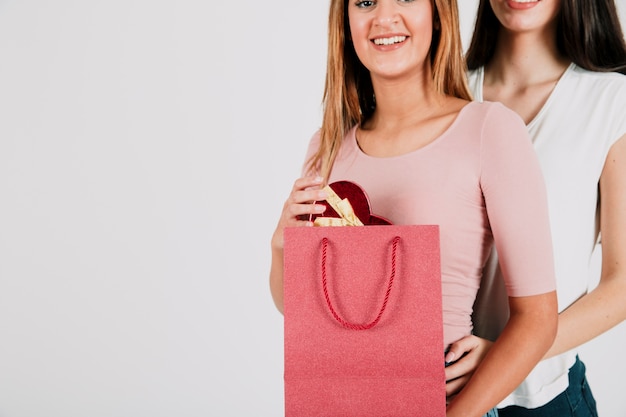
{"points": [[395, 368]]}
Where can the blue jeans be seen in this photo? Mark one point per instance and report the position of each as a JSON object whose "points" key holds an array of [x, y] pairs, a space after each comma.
{"points": [[576, 401]]}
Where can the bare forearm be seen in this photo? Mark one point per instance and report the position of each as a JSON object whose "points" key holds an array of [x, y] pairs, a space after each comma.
{"points": [[590, 316], [521, 345]]}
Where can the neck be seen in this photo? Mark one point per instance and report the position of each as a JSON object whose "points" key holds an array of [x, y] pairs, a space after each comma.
{"points": [[526, 58], [401, 102]]}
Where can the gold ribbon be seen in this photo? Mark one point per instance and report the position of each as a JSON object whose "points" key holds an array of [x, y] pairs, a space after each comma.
{"points": [[342, 207]]}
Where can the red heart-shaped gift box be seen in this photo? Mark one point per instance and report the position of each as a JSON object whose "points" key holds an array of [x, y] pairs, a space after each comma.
{"points": [[358, 200]]}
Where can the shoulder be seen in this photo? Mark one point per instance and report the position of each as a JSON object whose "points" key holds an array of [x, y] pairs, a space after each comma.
{"points": [[595, 99], [316, 137], [492, 130], [315, 142], [501, 132], [594, 81], [492, 112]]}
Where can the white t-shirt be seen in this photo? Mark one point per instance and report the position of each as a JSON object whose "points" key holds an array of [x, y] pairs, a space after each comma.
{"points": [[572, 134]]}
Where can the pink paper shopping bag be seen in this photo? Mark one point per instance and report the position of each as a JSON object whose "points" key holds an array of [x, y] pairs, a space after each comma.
{"points": [[363, 322]]}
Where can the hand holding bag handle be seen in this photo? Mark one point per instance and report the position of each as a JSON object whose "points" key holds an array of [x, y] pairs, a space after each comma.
{"points": [[344, 323]]}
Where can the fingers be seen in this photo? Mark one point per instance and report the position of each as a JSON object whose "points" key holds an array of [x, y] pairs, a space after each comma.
{"points": [[307, 182], [463, 367], [460, 347], [463, 358], [455, 386], [305, 191], [299, 207]]}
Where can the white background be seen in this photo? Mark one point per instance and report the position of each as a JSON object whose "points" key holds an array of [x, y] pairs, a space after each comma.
{"points": [[146, 148]]}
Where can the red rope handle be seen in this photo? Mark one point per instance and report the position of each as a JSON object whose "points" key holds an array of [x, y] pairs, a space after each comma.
{"points": [[344, 323]]}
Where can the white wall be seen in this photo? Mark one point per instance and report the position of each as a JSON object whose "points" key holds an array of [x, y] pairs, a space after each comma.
{"points": [[146, 149]]}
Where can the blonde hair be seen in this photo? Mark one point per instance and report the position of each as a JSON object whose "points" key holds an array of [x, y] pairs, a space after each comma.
{"points": [[348, 92]]}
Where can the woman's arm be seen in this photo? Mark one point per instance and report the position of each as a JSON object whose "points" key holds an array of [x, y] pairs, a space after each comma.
{"points": [[304, 191], [605, 306], [516, 203], [523, 342], [594, 313]]}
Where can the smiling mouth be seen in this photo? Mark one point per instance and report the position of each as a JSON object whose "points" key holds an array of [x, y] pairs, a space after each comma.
{"points": [[525, 1], [389, 41]]}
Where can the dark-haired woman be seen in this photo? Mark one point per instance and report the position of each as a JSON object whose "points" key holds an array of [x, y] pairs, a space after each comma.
{"points": [[557, 63]]}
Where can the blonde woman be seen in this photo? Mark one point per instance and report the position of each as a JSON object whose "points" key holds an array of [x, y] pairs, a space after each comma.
{"points": [[398, 121]]}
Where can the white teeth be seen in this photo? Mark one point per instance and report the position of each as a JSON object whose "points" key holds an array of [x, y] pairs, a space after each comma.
{"points": [[525, 1], [389, 41]]}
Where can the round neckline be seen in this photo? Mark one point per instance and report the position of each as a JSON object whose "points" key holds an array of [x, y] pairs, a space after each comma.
{"points": [[442, 137]]}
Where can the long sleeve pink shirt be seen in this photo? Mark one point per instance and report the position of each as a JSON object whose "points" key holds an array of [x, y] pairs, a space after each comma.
{"points": [[480, 181]]}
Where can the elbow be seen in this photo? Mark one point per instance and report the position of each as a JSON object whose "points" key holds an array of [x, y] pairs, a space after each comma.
{"points": [[279, 304], [276, 290], [277, 280], [538, 315]]}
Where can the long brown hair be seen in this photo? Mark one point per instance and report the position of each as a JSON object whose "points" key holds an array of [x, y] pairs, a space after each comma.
{"points": [[588, 33], [348, 92]]}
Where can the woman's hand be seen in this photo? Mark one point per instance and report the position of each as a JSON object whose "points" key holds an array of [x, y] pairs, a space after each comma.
{"points": [[299, 205], [465, 354]]}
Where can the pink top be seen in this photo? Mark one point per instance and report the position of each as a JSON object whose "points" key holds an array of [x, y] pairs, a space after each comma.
{"points": [[480, 181]]}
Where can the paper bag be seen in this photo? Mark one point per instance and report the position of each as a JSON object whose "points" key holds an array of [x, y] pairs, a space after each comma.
{"points": [[363, 322]]}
